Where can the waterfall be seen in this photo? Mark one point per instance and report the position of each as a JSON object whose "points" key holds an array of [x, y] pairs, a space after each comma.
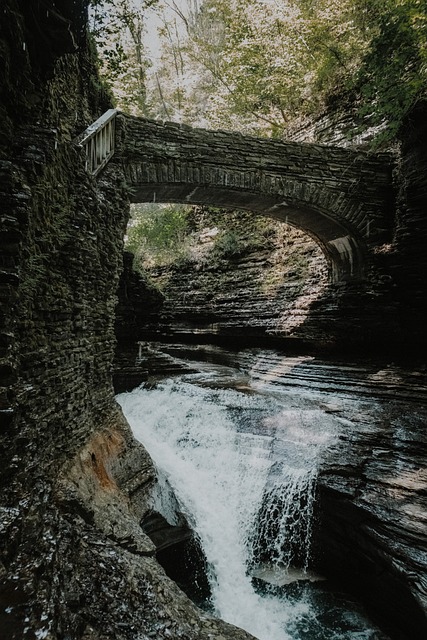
{"points": [[284, 524], [218, 450], [243, 470]]}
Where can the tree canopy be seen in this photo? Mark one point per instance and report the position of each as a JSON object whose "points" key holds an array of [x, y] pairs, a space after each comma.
{"points": [[256, 65]]}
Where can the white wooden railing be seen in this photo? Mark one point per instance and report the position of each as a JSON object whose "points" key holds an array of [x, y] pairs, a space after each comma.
{"points": [[98, 142]]}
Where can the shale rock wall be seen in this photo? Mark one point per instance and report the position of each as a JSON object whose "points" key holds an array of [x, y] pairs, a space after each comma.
{"points": [[395, 314], [74, 562], [373, 508], [241, 279], [409, 269], [259, 281], [372, 502], [382, 312]]}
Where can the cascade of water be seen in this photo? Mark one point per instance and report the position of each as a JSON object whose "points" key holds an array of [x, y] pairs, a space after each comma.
{"points": [[242, 468], [284, 523], [219, 472]]}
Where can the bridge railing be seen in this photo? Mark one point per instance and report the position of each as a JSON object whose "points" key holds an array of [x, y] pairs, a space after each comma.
{"points": [[98, 141]]}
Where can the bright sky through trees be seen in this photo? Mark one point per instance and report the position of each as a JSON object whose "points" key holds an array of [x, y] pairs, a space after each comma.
{"points": [[258, 65]]}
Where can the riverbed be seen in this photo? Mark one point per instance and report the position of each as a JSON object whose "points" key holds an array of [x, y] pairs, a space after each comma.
{"points": [[243, 440]]}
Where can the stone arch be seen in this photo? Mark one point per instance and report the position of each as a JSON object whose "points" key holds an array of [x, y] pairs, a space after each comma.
{"points": [[345, 254], [342, 198]]}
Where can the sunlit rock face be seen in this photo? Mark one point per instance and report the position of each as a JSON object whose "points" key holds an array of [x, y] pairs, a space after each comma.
{"points": [[372, 502], [251, 279], [371, 511], [373, 523], [243, 277]]}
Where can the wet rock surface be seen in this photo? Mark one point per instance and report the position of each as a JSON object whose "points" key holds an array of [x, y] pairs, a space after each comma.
{"points": [[372, 503], [373, 514], [371, 511]]}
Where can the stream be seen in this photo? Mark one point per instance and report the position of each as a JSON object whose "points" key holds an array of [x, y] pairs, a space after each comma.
{"points": [[241, 442]]}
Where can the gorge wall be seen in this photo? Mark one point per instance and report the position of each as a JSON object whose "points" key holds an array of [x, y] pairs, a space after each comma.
{"points": [[74, 562], [379, 312], [245, 278]]}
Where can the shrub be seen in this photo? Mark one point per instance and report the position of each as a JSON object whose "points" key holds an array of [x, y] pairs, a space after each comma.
{"points": [[157, 234]]}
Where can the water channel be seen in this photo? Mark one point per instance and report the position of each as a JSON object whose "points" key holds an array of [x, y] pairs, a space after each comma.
{"points": [[240, 438]]}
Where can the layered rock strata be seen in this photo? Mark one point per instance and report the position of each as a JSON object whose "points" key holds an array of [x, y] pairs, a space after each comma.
{"points": [[370, 533], [244, 276], [74, 561], [254, 280]]}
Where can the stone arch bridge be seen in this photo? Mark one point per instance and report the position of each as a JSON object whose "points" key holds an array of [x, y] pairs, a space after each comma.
{"points": [[343, 198]]}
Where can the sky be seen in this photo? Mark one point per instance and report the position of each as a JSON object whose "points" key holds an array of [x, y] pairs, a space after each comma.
{"points": [[154, 18]]}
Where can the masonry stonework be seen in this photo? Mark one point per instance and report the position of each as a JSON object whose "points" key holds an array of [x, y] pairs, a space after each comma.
{"points": [[343, 198]]}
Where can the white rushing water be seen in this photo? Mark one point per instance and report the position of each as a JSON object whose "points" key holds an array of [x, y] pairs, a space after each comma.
{"points": [[243, 468]]}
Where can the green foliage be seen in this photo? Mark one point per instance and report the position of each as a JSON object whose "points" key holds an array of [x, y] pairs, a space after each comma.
{"points": [[228, 245], [256, 66], [270, 62], [157, 234], [393, 73], [118, 28]]}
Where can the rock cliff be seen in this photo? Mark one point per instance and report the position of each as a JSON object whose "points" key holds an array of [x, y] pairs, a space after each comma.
{"points": [[245, 277], [74, 562], [371, 512]]}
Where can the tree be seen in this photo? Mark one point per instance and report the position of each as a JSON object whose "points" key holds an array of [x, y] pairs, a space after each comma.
{"points": [[259, 64], [393, 74], [256, 65], [179, 84], [157, 233], [118, 27]]}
